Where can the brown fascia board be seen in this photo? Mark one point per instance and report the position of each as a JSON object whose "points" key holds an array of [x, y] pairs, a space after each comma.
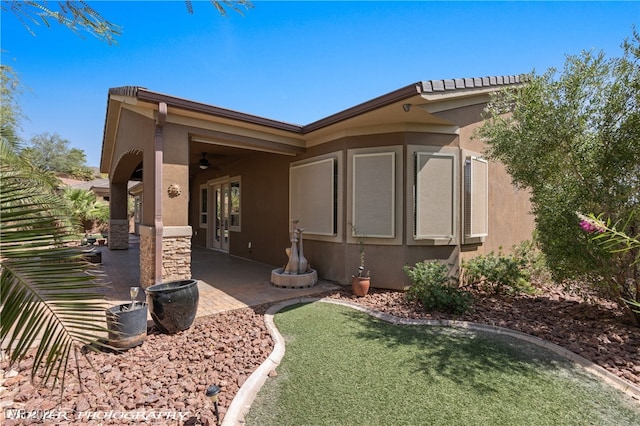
{"points": [[422, 87], [148, 96], [407, 92], [379, 102]]}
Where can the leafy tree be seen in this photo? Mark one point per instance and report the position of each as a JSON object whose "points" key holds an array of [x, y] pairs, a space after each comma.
{"points": [[573, 140], [51, 152], [79, 17], [47, 290], [9, 108]]}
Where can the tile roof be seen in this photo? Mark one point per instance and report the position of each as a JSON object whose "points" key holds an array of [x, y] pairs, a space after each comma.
{"points": [[430, 86]]}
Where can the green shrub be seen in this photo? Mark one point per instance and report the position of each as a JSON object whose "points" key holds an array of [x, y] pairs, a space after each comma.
{"points": [[534, 260], [432, 287], [497, 274]]}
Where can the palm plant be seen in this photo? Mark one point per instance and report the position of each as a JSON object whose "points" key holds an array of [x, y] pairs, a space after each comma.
{"points": [[49, 295], [85, 208]]}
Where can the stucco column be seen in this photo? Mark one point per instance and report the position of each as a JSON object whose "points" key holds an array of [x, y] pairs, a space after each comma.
{"points": [[118, 222]]}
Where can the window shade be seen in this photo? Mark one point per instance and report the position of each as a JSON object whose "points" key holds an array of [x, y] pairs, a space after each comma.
{"points": [[312, 196], [374, 194], [476, 214], [434, 197]]}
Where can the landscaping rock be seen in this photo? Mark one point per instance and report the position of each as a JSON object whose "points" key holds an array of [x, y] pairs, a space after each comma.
{"points": [[172, 372]]}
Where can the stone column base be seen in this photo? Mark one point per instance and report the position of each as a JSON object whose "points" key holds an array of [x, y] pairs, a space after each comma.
{"points": [[118, 234], [176, 254]]}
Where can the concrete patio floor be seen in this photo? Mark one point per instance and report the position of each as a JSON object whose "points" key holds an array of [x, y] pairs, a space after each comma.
{"points": [[224, 282]]}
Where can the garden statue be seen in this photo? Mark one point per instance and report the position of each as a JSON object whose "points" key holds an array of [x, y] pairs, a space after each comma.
{"points": [[297, 264], [297, 273]]}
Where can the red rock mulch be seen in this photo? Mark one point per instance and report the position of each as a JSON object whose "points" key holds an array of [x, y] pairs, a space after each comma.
{"points": [[170, 373]]}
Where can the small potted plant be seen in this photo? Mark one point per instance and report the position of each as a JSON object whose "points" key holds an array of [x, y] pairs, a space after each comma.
{"points": [[360, 283]]}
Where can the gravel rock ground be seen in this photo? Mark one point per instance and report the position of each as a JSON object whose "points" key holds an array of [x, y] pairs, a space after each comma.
{"points": [[164, 380]]}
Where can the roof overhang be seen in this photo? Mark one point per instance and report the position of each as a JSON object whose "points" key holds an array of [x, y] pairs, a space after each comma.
{"points": [[410, 108]]}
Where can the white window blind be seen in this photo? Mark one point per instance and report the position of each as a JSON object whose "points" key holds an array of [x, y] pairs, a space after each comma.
{"points": [[373, 208], [434, 197], [313, 197], [476, 189]]}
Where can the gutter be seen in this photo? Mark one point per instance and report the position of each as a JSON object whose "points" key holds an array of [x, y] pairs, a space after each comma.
{"points": [[158, 143], [379, 102]]}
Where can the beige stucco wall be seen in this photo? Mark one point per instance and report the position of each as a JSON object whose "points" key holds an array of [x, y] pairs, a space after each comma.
{"points": [[175, 182], [265, 201], [510, 221], [265, 204], [135, 135]]}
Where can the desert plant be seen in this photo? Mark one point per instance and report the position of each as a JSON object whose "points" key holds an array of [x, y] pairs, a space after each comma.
{"points": [[497, 273], [616, 238], [572, 140], [434, 289], [360, 239], [534, 260], [47, 290], [88, 211]]}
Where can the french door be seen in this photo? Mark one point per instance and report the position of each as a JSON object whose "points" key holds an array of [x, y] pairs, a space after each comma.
{"points": [[219, 234]]}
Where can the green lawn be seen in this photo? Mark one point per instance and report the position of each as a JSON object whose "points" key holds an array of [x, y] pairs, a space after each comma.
{"points": [[342, 367]]}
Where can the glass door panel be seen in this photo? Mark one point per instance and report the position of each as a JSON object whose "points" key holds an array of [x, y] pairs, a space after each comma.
{"points": [[220, 237]]}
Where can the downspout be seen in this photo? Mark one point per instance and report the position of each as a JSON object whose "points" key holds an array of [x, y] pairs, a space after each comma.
{"points": [[158, 146]]}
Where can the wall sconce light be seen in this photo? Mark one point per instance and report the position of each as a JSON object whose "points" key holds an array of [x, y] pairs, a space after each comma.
{"points": [[212, 394], [406, 107]]}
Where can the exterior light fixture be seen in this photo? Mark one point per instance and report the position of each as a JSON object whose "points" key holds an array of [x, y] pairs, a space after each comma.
{"points": [[204, 163], [406, 107], [212, 394]]}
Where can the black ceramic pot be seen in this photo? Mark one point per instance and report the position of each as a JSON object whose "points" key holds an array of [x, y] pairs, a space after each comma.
{"points": [[127, 326], [173, 305]]}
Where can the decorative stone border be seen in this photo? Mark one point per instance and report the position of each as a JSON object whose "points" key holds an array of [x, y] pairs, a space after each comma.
{"points": [[244, 398]]}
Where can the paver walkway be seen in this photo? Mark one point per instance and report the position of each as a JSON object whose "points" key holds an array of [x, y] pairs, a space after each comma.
{"points": [[224, 282]]}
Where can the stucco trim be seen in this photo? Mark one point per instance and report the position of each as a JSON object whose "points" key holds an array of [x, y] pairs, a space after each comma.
{"points": [[167, 231], [176, 231]]}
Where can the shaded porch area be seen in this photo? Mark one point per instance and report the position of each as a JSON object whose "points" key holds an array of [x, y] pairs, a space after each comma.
{"points": [[224, 282]]}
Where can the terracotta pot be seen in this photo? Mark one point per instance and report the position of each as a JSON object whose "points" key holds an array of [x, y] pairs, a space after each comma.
{"points": [[360, 285]]}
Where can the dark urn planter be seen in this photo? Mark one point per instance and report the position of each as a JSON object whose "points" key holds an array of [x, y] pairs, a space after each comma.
{"points": [[93, 256], [127, 326], [173, 305]]}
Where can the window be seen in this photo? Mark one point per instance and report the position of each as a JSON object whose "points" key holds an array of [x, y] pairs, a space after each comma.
{"points": [[434, 196], [203, 206], [234, 205], [476, 199], [374, 194], [313, 196]]}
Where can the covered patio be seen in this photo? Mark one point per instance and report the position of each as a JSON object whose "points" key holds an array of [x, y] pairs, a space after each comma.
{"points": [[225, 282]]}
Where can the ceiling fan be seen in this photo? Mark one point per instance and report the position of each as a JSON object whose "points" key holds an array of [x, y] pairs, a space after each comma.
{"points": [[204, 163]]}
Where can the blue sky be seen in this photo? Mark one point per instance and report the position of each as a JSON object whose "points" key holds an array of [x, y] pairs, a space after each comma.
{"points": [[291, 61]]}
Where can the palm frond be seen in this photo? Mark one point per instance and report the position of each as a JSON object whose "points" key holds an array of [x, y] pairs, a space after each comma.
{"points": [[50, 295]]}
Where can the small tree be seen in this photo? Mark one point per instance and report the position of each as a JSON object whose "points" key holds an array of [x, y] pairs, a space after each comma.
{"points": [[51, 152], [573, 141]]}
